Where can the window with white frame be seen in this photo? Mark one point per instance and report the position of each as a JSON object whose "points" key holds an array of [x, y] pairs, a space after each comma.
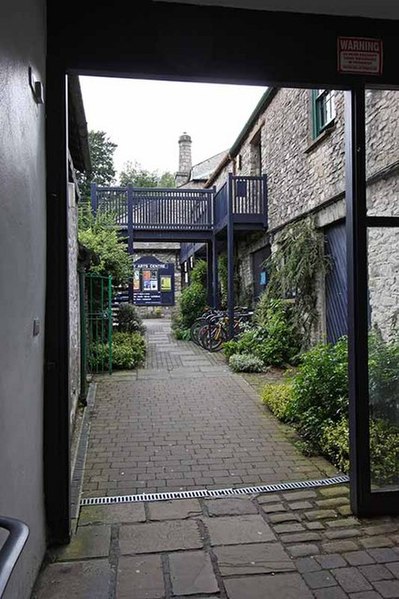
{"points": [[323, 110]]}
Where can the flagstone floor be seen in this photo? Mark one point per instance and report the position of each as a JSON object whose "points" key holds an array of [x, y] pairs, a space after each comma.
{"points": [[185, 422]]}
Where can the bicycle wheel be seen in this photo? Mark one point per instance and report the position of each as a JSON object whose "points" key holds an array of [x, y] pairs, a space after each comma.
{"points": [[212, 337], [195, 330]]}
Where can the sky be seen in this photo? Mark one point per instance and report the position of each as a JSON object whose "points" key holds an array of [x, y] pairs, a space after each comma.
{"points": [[146, 118]]}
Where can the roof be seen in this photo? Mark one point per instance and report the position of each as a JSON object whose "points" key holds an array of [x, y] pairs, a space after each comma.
{"points": [[78, 141], [203, 170]]}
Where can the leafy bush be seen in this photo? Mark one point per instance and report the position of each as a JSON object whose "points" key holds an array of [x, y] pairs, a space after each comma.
{"points": [[99, 234], [277, 397], [129, 320], [384, 449], [245, 363], [275, 341], [384, 444], [335, 443], [199, 273], [383, 377], [246, 343], [320, 390], [192, 304], [182, 334], [128, 351]]}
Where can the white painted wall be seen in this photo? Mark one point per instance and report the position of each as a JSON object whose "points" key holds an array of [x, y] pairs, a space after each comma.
{"points": [[22, 279]]}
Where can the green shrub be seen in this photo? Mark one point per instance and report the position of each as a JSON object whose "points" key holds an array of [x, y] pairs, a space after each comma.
{"points": [[320, 390], [128, 319], [383, 377], [277, 397], [384, 449], [182, 334], [192, 304], [384, 444], [245, 363], [335, 443], [230, 348], [275, 340], [199, 273], [128, 351]]}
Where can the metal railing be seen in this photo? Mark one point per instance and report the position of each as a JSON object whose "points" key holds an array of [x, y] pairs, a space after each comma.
{"points": [[12, 548], [249, 195], [153, 209], [221, 205]]}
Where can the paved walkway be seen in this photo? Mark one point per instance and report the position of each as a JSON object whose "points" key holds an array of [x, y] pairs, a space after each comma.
{"points": [[296, 545], [192, 421], [185, 421]]}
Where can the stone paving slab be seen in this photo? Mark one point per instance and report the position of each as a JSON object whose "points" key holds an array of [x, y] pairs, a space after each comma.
{"points": [[224, 555], [192, 573], [260, 558], [159, 536], [185, 421], [241, 529], [281, 586], [140, 578], [112, 514], [89, 542], [83, 580]]}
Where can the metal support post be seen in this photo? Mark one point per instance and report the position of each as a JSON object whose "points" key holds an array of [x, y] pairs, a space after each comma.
{"points": [[215, 282], [356, 232], [130, 238], [230, 257], [94, 200], [209, 273]]}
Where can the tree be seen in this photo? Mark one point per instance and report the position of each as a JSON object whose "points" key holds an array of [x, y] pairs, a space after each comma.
{"points": [[133, 174], [102, 161], [98, 234]]}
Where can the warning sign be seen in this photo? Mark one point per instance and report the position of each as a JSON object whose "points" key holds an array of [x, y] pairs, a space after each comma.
{"points": [[360, 55]]}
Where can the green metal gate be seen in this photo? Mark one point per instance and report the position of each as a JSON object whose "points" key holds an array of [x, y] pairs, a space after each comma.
{"points": [[97, 342]]}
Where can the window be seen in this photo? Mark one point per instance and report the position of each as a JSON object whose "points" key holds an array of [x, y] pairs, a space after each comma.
{"points": [[256, 154], [323, 110]]}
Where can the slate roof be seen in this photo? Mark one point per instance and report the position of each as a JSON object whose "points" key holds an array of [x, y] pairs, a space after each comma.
{"points": [[203, 170]]}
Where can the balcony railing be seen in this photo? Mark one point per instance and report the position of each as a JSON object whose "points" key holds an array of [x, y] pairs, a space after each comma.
{"points": [[157, 209], [154, 209]]}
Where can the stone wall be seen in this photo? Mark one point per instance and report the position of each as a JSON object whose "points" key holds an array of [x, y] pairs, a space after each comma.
{"points": [[74, 304], [306, 175]]}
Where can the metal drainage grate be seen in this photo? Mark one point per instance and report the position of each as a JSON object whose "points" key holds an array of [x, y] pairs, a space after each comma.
{"points": [[216, 493]]}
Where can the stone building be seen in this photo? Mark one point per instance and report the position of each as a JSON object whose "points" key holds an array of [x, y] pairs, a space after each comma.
{"points": [[296, 138]]}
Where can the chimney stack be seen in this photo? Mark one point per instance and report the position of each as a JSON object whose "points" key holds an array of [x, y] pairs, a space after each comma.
{"points": [[185, 163]]}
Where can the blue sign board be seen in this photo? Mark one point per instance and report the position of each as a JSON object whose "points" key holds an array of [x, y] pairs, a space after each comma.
{"points": [[153, 282]]}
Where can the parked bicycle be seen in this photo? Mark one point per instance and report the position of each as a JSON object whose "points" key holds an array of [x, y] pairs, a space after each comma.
{"points": [[211, 330]]}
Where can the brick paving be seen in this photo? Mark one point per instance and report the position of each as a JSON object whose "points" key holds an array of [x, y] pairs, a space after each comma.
{"points": [[272, 546], [184, 421]]}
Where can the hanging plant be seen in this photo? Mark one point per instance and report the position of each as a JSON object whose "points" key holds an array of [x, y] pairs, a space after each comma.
{"points": [[293, 269]]}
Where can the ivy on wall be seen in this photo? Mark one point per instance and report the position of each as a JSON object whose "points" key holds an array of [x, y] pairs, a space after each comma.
{"points": [[294, 267]]}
